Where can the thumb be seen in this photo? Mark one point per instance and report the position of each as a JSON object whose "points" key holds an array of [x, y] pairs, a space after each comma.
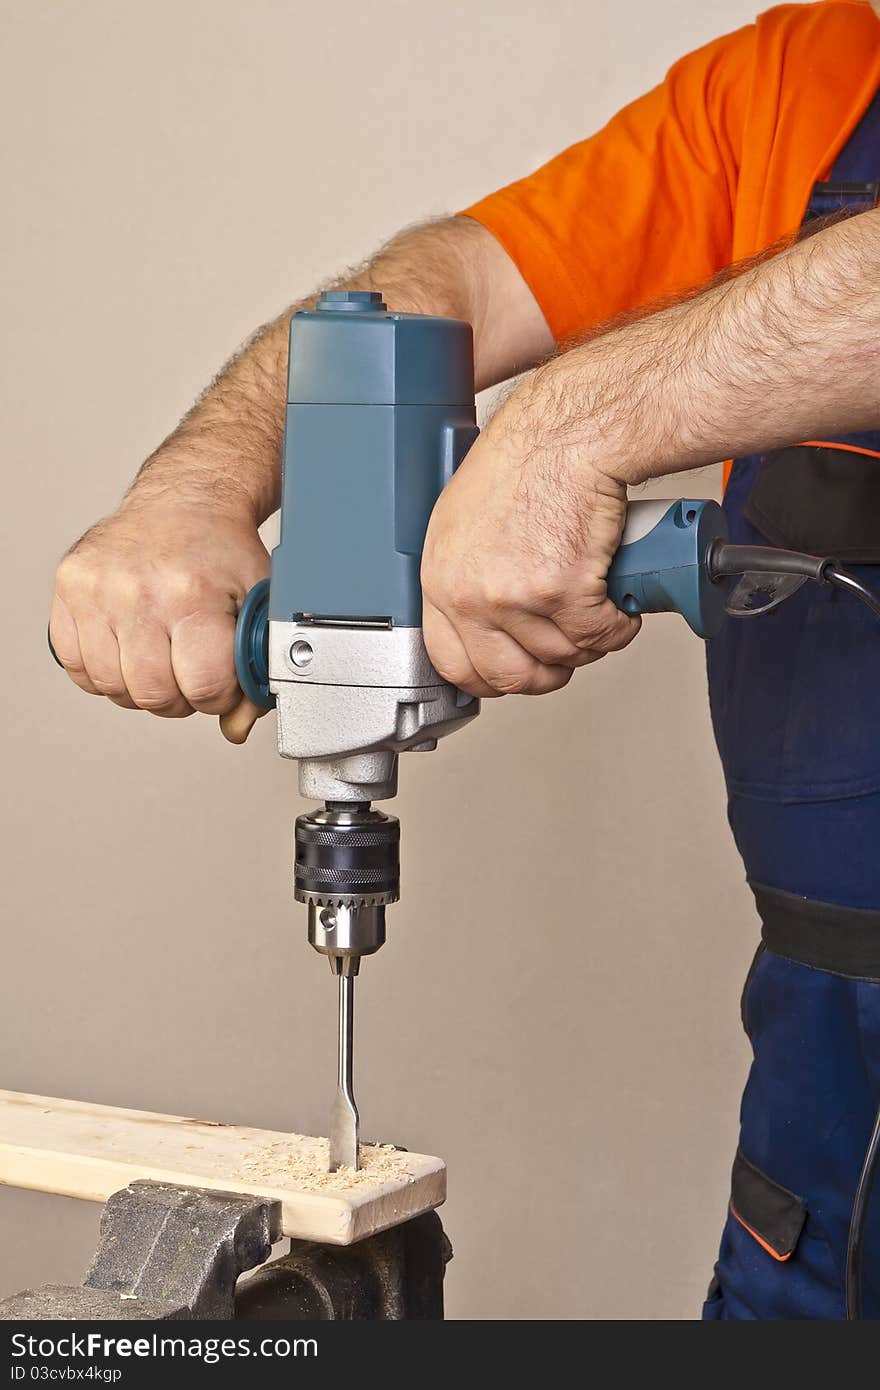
{"points": [[237, 724]]}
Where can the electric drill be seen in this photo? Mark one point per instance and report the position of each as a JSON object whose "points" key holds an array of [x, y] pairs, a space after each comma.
{"points": [[380, 412]]}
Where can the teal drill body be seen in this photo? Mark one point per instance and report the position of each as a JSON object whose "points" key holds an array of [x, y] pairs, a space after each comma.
{"points": [[380, 412]]}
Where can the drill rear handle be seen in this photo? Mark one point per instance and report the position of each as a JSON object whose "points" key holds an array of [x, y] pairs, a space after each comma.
{"points": [[662, 563]]}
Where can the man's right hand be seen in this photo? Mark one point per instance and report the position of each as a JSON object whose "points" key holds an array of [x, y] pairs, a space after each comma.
{"points": [[144, 607]]}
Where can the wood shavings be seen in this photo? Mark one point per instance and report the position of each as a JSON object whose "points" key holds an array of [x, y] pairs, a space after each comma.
{"points": [[302, 1163]]}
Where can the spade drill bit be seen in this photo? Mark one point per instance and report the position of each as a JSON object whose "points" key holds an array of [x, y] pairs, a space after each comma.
{"points": [[344, 1120], [347, 869]]}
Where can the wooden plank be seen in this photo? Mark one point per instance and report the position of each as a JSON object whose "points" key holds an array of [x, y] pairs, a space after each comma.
{"points": [[78, 1149]]}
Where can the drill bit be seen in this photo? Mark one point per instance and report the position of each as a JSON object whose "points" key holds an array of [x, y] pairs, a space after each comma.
{"points": [[344, 1119]]}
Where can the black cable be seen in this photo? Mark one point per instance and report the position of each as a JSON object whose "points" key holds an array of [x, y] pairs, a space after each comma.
{"points": [[858, 1222], [855, 1245], [726, 560], [842, 580]]}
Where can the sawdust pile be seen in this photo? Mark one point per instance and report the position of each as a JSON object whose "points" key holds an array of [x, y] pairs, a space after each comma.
{"points": [[302, 1163]]}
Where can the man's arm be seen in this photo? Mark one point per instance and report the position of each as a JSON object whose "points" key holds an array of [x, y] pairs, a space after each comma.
{"points": [[144, 605], [521, 540]]}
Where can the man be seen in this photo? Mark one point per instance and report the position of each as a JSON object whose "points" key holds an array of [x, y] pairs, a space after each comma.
{"points": [[725, 160]]}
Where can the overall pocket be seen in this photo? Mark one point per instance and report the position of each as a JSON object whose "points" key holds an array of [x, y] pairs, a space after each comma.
{"points": [[772, 1215], [775, 1261], [821, 498]]}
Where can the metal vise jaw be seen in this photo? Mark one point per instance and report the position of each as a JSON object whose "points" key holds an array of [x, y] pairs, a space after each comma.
{"points": [[165, 1253], [394, 1276]]}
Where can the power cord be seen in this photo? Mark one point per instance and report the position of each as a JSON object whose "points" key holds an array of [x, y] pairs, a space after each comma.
{"points": [[842, 580], [855, 1245]]}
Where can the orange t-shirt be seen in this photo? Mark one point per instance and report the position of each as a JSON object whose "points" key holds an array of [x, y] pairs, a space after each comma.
{"points": [[712, 166]]}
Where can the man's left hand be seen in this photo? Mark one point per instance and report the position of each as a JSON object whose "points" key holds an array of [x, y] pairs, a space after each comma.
{"points": [[516, 554]]}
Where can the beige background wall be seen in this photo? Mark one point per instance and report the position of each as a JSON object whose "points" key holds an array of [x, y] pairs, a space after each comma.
{"points": [[556, 1010]]}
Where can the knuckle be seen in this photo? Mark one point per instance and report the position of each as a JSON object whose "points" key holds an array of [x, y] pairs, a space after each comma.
{"points": [[156, 704], [122, 587], [72, 662], [186, 589], [461, 596], [113, 689], [73, 576], [623, 634], [597, 631], [448, 671], [172, 709], [81, 681], [546, 590], [213, 690], [612, 634], [585, 657], [449, 666], [429, 570], [548, 645], [556, 682], [154, 698], [494, 598], [510, 682]]}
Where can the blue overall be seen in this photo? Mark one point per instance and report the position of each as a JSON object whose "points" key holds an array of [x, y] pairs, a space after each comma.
{"points": [[796, 710]]}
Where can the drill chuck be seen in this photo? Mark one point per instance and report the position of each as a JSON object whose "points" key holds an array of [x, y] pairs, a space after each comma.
{"points": [[347, 867], [347, 857]]}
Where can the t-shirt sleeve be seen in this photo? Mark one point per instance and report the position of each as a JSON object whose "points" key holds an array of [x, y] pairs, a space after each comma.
{"points": [[641, 210]]}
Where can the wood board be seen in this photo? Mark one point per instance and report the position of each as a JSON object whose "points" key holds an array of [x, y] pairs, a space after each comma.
{"points": [[79, 1149]]}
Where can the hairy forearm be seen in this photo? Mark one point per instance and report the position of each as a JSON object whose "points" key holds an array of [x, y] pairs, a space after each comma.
{"points": [[228, 445], [785, 351]]}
